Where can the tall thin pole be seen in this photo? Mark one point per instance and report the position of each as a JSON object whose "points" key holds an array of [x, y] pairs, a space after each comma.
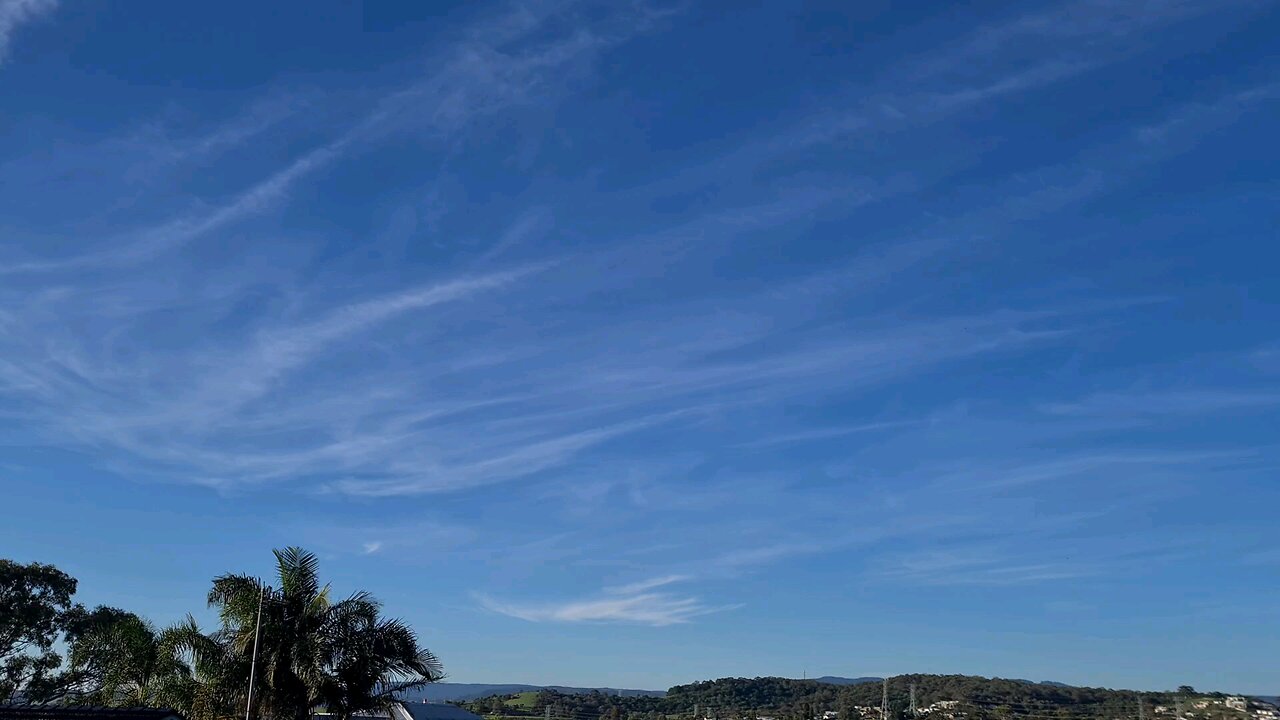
{"points": [[913, 700], [884, 701], [253, 664]]}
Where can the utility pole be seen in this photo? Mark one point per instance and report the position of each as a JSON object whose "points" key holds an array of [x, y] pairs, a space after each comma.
{"points": [[546, 712], [1141, 712], [884, 701], [913, 700], [253, 664], [1178, 709]]}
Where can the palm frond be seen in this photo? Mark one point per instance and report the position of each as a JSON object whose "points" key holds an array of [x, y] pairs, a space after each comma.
{"points": [[299, 572]]}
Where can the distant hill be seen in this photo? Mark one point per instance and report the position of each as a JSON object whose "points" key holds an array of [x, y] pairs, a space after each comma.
{"points": [[1050, 683], [454, 692], [833, 680], [976, 698]]}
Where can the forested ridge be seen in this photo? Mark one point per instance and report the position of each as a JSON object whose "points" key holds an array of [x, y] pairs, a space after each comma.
{"points": [[789, 699]]}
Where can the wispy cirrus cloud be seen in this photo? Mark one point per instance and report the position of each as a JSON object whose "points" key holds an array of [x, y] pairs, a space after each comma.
{"points": [[495, 68], [823, 337], [630, 604], [1088, 466], [1075, 30], [641, 586], [16, 13], [984, 566], [1165, 403]]}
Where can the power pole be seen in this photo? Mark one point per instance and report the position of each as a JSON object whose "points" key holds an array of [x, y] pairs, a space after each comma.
{"points": [[1141, 712], [1178, 709], [884, 701], [913, 700], [253, 664], [546, 712]]}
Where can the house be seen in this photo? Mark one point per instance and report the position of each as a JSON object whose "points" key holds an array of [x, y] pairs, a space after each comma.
{"points": [[405, 710], [57, 712], [1237, 703], [432, 711]]}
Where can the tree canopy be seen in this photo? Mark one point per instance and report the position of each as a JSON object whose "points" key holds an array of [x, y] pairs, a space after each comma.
{"points": [[737, 698], [313, 652], [34, 603]]}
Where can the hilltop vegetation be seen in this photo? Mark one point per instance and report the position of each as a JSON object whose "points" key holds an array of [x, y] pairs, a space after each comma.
{"points": [[451, 692], [956, 696]]}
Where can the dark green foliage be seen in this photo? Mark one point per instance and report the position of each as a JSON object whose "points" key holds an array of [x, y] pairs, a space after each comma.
{"points": [[806, 699], [119, 659], [846, 707], [984, 694], [313, 652], [34, 602]]}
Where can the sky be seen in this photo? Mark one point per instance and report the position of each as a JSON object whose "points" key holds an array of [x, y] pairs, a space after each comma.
{"points": [[638, 343]]}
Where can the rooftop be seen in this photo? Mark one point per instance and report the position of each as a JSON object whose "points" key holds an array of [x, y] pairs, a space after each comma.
{"points": [[61, 712]]}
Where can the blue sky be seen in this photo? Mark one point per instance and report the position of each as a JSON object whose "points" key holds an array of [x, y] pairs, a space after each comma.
{"points": [[640, 343]]}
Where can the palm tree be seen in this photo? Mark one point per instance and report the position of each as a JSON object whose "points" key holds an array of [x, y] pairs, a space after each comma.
{"points": [[312, 651], [118, 659]]}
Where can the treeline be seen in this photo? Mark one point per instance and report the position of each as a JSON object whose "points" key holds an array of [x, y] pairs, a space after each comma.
{"points": [[312, 651], [789, 696], [787, 699]]}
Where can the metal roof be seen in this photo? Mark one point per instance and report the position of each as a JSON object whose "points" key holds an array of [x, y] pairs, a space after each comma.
{"points": [[72, 712]]}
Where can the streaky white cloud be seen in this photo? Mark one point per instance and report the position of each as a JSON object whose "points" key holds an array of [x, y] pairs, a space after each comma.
{"points": [[175, 233], [476, 78], [616, 606], [248, 123], [1022, 80], [1093, 465], [16, 13], [1168, 403], [1083, 27], [989, 566], [641, 586], [767, 554], [1033, 556], [1192, 120], [410, 477], [371, 547], [827, 433], [290, 347]]}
